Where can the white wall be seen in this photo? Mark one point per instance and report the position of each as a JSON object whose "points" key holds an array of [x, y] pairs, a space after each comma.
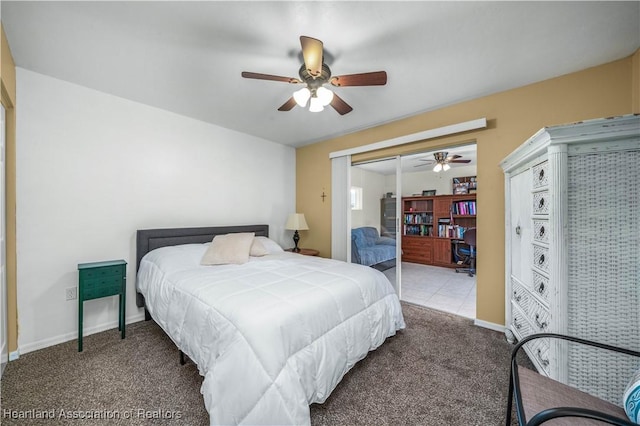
{"points": [[93, 168], [372, 185], [415, 183]]}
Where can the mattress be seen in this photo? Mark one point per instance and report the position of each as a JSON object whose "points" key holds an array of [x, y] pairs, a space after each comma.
{"points": [[270, 336]]}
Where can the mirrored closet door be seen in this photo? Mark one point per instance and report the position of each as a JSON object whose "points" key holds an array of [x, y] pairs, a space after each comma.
{"points": [[374, 213]]}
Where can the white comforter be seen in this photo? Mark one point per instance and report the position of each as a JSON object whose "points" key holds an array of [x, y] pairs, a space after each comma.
{"points": [[270, 336]]}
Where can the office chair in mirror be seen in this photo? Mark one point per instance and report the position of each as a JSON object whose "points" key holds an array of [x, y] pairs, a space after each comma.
{"points": [[465, 252]]}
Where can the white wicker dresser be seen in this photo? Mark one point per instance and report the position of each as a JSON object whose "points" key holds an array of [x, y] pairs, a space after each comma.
{"points": [[573, 249]]}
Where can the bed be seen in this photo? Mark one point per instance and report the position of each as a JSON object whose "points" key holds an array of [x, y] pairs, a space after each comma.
{"points": [[270, 336]]}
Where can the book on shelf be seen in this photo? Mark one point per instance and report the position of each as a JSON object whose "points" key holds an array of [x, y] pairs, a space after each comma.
{"points": [[464, 208], [451, 231], [458, 232], [421, 230], [422, 218]]}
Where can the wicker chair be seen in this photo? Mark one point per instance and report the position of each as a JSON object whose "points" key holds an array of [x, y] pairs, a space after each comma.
{"points": [[539, 399]]}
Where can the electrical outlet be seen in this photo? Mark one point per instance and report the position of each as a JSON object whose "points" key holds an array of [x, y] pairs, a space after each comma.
{"points": [[71, 293]]}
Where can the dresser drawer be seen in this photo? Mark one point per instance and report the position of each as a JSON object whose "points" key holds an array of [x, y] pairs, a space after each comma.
{"points": [[117, 270], [539, 316], [519, 295], [519, 323], [537, 349], [541, 231], [417, 256], [541, 258], [541, 286], [102, 291], [101, 287], [541, 203], [416, 242], [417, 249], [537, 313], [540, 175], [539, 354], [96, 283]]}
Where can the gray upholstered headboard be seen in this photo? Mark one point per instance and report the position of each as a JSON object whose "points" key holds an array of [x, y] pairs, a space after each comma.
{"points": [[150, 239]]}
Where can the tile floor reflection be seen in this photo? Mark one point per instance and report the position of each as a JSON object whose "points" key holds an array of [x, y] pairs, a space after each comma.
{"points": [[437, 288]]}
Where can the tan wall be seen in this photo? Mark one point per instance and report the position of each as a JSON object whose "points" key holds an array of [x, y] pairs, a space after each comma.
{"points": [[8, 90], [513, 116]]}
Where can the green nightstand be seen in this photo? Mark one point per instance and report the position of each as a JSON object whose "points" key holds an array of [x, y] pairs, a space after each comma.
{"points": [[102, 279]]}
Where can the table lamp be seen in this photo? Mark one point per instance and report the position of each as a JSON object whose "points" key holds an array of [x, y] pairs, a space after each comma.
{"points": [[296, 222]]}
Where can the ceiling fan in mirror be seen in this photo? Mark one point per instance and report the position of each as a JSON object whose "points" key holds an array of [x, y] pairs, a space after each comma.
{"points": [[314, 75], [442, 161]]}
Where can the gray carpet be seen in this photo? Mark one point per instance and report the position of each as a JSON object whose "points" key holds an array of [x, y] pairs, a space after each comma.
{"points": [[441, 370]]}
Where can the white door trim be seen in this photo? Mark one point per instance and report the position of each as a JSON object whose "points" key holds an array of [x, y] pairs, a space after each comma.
{"points": [[452, 129], [4, 346]]}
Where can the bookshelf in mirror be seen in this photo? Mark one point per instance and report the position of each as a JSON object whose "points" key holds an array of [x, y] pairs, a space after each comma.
{"points": [[432, 224]]}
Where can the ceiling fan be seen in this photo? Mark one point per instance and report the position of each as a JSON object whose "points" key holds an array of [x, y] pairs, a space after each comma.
{"points": [[314, 74], [442, 161]]}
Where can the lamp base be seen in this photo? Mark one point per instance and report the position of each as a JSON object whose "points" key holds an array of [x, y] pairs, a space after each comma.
{"points": [[296, 238]]}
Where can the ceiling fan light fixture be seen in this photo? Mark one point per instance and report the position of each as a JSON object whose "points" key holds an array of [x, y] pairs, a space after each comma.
{"points": [[302, 96], [313, 74], [315, 105], [440, 156], [446, 167], [437, 168], [325, 95]]}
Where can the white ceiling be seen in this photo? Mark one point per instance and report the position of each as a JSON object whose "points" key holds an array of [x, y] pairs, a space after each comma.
{"points": [[187, 57]]}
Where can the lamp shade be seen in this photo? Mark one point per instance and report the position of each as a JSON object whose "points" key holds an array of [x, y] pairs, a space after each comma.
{"points": [[315, 105], [296, 222], [325, 95], [302, 96]]}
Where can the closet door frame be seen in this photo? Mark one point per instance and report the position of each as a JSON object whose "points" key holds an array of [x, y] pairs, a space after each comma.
{"points": [[4, 344]]}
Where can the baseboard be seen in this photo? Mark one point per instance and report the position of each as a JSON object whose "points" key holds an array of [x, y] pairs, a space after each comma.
{"points": [[45, 343], [14, 355], [489, 325], [4, 350]]}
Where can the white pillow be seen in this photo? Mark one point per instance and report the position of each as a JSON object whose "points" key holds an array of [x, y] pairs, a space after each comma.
{"points": [[271, 246], [257, 248], [228, 248]]}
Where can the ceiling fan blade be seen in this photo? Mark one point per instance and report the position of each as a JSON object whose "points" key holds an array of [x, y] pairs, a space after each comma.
{"points": [[453, 157], [259, 76], [312, 54], [339, 105], [459, 161], [287, 106], [376, 78]]}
